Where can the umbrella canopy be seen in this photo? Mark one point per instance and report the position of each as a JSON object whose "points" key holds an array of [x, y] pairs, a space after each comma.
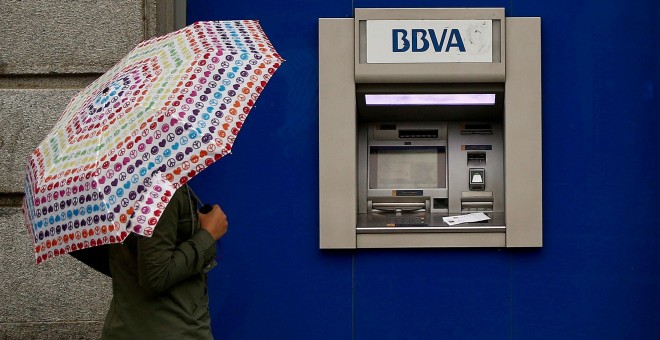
{"points": [[125, 143]]}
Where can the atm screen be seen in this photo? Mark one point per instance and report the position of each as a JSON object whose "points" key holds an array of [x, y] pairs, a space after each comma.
{"points": [[407, 167]]}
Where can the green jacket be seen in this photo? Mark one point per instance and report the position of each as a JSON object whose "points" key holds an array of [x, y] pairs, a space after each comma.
{"points": [[159, 282]]}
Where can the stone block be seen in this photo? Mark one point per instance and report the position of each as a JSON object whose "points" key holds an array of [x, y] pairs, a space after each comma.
{"points": [[26, 117], [51, 331], [59, 290], [67, 36]]}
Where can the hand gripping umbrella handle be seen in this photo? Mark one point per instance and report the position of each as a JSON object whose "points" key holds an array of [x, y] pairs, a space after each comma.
{"points": [[205, 209]]}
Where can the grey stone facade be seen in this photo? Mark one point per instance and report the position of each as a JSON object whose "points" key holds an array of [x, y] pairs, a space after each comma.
{"points": [[48, 52]]}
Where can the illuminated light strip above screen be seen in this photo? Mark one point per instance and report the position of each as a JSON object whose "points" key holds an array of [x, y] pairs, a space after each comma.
{"points": [[430, 99]]}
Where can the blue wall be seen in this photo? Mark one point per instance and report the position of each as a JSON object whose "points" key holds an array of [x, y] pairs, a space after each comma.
{"points": [[598, 274]]}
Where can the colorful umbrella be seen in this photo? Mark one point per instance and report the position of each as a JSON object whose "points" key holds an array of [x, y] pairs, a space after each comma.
{"points": [[124, 144]]}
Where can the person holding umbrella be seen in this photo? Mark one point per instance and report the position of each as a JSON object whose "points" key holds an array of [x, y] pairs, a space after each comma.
{"points": [[112, 174], [159, 282]]}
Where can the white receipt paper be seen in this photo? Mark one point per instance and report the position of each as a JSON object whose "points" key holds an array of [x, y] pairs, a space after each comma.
{"points": [[458, 219]]}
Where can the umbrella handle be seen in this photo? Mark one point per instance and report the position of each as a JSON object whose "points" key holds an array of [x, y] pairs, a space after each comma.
{"points": [[206, 208]]}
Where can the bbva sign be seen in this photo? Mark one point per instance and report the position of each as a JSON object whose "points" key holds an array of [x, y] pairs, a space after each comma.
{"points": [[429, 41], [417, 40]]}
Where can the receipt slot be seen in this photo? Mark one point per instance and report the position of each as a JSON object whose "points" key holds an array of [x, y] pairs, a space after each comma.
{"points": [[429, 118]]}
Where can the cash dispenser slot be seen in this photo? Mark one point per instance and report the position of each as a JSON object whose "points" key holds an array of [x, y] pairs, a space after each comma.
{"points": [[388, 213], [398, 204]]}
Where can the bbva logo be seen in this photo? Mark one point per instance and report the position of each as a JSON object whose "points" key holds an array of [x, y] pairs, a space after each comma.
{"points": [[418, 40]]}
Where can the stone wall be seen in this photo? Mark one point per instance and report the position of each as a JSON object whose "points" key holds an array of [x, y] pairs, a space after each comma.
{"points": [[50, 50]]}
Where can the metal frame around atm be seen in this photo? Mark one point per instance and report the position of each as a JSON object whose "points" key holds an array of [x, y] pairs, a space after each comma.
{"points": [[516, 63]]}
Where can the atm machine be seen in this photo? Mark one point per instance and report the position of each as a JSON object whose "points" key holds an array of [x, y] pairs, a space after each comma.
{"points": [[426, 114]]}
